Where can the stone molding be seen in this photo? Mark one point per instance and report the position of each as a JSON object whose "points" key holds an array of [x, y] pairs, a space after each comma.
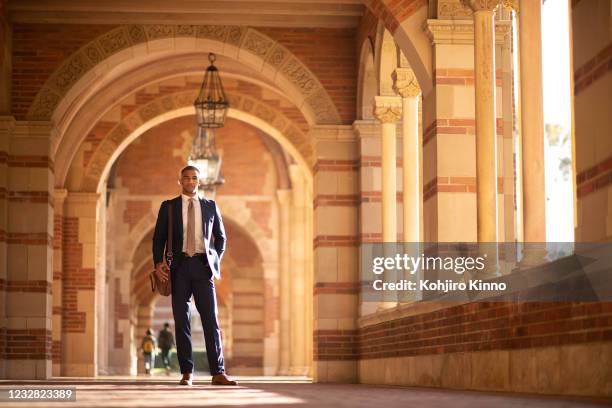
{"points": [[341, 133], [366, 128], [32, 128], [481, 5], [461, 31], [59, 197], [388, 109], [80, 197], [453, 9], [270, 55]]}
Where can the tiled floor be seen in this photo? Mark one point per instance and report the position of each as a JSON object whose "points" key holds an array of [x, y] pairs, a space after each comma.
{"points": [[272, 392]]}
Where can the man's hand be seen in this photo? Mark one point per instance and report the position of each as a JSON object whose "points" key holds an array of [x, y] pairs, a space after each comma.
{"points": [[162, 271]]}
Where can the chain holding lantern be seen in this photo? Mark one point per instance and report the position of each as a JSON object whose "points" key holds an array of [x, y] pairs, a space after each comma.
{"points": [[211, 108]]}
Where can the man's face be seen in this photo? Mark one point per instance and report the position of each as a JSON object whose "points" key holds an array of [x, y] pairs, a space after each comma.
{"points": [[189, 181]]}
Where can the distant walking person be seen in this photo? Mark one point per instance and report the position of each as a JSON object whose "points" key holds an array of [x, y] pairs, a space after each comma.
{"points": [[198, 243], [148, 347], [165, 341]]}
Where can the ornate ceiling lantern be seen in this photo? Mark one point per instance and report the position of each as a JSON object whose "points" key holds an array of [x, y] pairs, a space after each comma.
{"points": [[211, 105], [204, 156]]}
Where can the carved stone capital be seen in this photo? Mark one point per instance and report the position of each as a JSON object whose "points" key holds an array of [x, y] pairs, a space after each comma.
{"points": [[481, 5], [405, 83], [511, 4], [387, 109], [454, 10]]}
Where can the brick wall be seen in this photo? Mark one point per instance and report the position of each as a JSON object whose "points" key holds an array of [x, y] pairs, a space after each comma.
{"points": [[150, 165], [471, 327], [488, 326], [330, 54], [39, 49], [27, 344]]}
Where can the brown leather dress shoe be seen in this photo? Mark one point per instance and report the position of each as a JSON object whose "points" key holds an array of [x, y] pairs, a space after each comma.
{"points": [[222, 379], [187, 379]]}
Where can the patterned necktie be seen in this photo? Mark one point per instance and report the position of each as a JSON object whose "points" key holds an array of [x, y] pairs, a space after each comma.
{"points": [[191, 228]]}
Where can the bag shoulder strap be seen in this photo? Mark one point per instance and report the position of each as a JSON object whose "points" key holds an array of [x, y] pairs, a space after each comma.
{"points": [[169, 254]]}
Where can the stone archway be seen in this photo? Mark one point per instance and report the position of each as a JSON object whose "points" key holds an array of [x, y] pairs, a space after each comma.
{"points": [[256, 115], [94, 67], [268, 119]]}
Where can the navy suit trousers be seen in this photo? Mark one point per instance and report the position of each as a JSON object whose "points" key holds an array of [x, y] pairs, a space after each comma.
{"points": [[193, 276]]}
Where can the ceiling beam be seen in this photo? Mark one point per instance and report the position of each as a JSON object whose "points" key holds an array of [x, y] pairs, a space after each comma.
{"points": [[270, 13]]}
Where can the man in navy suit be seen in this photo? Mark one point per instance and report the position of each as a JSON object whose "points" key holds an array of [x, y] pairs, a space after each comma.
{"points": [[198, 243]]}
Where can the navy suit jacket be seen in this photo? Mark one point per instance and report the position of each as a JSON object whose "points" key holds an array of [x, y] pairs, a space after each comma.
{"points": [[212, 227]]}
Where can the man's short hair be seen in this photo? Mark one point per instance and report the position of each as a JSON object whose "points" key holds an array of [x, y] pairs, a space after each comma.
{"points": [[189, 167]]}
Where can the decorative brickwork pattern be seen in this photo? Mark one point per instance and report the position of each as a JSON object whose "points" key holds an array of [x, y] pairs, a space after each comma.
{"points": [[471, 327], [40, 87], [336, 345], [594, 178], [105, 147], [594, 69], [75, 277], [40, 49], [27, 344], [488, 326], [455, 185], [331, 55]]}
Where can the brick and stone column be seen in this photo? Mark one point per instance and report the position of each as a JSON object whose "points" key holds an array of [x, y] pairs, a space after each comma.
{"points": [[368, 137], [486, 140], [118, 329], [6, 127], [449, 130], [79, 339], [29, 249], [532, 121], [309, 281], [6, 60], [405, 84], [298, 363], [336, 254], [284, 201], [59, 198], [388, 110]]}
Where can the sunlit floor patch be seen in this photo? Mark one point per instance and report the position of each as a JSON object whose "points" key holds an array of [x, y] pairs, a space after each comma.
{"points": [[270, 392]]}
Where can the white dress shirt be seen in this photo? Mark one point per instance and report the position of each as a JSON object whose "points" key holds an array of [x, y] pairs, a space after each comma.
{"points": [[199, 233]]}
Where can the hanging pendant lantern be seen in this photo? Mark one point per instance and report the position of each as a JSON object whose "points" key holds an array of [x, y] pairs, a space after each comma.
{"points": [[204, 156], [211, 105]]}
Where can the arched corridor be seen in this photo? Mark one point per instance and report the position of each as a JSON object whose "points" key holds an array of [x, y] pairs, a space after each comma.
{"points": [[353, 127]]}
